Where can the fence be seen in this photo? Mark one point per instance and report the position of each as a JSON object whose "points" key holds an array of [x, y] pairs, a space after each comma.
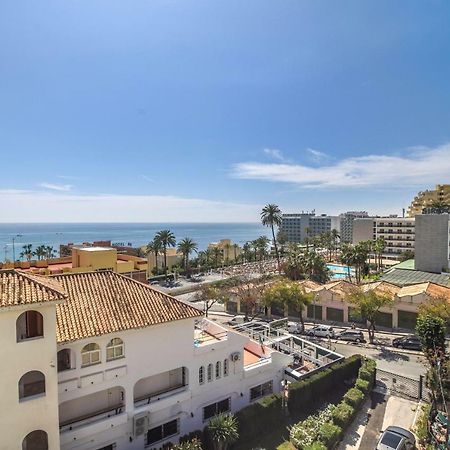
{"points": [[400, 385]]}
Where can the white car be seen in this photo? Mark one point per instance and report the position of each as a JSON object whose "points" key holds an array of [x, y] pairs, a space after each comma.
{"points": [[321, 331], [294, 327]]}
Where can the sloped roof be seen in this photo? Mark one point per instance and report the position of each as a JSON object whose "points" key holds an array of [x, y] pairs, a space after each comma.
{"points": [[20, 288], [106, 302], [404, 277], [382, 287]]}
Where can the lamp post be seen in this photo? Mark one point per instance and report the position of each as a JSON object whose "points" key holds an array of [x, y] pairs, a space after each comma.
{"points": [[14, 248]]}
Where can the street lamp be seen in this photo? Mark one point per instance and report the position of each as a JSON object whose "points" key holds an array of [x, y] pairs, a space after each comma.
{"points": [[14, 248]]}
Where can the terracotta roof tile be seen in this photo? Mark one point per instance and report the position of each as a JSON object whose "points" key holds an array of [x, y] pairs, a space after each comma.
{"points": [[20, 288], [106, 302]]}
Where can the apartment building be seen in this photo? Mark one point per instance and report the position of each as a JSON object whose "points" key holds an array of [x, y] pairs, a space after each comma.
{"points": [[98, 361], [297, 227], [425, 198], [398, 232], [346, 224]]}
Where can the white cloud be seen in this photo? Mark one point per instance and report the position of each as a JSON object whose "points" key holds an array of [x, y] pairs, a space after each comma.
{"points": [[418, 167], [317, 155], [40, 206], [56, 187], [275, 154], [146, 178]]}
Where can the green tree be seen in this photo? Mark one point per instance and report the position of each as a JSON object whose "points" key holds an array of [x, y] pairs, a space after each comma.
{"points": [[27, 252], [50, 252], [367, 304], [210, 294], [40, 252], [316, 267], [247, 251], [271, 217], [154, 246], [406, 255], [378, 248], [437, 207], [288, 294], [226, 251], [223, 431], [186, 246], [217, 255], [431, 332], [261, 246], [194, 444], [294, 265], [235, 252], [167, 239]]}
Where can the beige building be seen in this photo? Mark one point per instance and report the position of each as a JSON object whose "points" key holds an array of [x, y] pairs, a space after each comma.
{"points": [[231, 251], [426, 198], [174, 258]]}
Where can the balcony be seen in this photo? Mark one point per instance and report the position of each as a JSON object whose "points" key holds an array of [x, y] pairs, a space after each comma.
{"points": [[157, 387], [206, 333]]}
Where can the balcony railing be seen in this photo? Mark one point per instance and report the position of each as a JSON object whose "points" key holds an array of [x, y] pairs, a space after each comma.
{"points": [[159, 395], [87, 419]]}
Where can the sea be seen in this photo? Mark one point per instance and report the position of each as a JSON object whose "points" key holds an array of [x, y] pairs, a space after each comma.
{"points": [[134, 234]]}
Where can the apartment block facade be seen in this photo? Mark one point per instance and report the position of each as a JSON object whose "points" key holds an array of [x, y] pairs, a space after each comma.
{"points": [[425, 198], [298, 226], [346, 224]]}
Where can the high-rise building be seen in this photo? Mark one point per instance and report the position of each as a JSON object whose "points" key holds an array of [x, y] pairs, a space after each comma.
{"points": [[296, 227], [346, 224], [425, 198]]}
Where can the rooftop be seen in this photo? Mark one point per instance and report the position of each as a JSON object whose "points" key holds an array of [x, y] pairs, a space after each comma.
{"points": [[96, 249], [106, 302], [404, 277]]}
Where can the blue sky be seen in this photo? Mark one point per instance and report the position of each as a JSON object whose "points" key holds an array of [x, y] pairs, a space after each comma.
{"points": [[159, 110]]}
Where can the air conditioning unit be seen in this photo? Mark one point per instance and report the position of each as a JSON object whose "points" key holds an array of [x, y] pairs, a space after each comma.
{"points": [[236, 356], [140, 424]]}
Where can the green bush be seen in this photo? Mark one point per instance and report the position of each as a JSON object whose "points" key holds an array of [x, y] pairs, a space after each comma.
{"points": [[362, 385], [354, 397], [330, 434], [315, 446], [307, 394], [343, 415]]}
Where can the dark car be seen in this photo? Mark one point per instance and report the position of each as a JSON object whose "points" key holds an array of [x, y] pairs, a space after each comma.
{"points": [[396, 438], [410, 342], [351, 335]]}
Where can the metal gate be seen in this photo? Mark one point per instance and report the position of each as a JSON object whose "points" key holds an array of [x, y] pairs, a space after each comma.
{"points": [[400, 385]]}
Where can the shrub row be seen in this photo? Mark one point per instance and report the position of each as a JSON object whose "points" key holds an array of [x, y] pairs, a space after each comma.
{"points": [[343, 414]]}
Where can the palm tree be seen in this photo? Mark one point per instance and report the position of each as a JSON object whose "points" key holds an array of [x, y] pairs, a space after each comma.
{"points": [[186, 246], [166, 239], [154, 246], [437, 207], [40, 252], [223, 430], [50, 252], [270, 217], [217, 254], [235, 249], [226, 250], [261, 246], [247, 251], [378, 247], [27, 252]]}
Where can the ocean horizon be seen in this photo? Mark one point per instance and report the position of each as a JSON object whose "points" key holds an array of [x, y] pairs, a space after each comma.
{"points": [[134, 233]]}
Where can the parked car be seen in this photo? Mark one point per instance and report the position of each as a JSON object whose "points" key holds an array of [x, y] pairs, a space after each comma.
{"points": [[396, 438], [294, 327], [351, 335], [321, 331], [238, 320], [410, 342], [153, 283]]}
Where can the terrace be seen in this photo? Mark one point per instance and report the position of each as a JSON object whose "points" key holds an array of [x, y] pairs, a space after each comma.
{"points": [[207, 333]]}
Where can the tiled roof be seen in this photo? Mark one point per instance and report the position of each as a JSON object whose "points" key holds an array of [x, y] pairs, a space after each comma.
{"points": [[106, 302], [310, 285], [19, 288], [382, 287], [403, 277]]}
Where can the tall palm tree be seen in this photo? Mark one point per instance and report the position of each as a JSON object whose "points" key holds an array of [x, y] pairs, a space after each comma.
{"points": [[217, 255], [50, 252], [437, 207], [235, 249], [261, 246], [27, 252], [186, 246], [226, 250], [167, 239], [270, 217], [154, 246], [40, 252], [247, 251]]}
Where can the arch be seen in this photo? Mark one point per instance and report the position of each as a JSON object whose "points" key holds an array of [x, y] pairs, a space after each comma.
{"points": [[209, 374], [90, 354], [225, 367], [201, 375], [31, 384], [29, 325], [36, 440], [65, 359], [115, 349], [218, 369]]}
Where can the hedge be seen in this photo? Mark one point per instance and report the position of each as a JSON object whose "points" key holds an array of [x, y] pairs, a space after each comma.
{"points": [[343, 415], [330, 434], [354, 397], [362, 385], [309, 393]]}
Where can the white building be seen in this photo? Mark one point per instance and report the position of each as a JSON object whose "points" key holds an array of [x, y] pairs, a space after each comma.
{"points": [[97, 361]]}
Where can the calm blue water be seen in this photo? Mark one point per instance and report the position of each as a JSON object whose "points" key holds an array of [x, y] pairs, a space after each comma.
{"points": [[339, 272], [135, 233]]}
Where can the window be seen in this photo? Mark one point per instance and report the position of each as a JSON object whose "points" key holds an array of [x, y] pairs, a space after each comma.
{"points": [[36, 440], [114, 349], [31, 384], [201, 375], [64, 360], [210, 372], [216, 408], [90, 354], [218, 369], [225, 367], [162, 432], [29, 325], [261, 390]]}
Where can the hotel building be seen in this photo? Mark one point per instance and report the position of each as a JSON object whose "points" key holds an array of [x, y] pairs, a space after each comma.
{"points": [[425, 198], [296, 227]]}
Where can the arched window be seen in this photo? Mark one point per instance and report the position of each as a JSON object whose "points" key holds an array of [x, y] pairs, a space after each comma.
{"points": [[225, 367], [114, 349], [201, 375], [90, 354], [36, 440], [210, 372], [218, 369], [65, 360], [29, 325], [31, 384]]}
